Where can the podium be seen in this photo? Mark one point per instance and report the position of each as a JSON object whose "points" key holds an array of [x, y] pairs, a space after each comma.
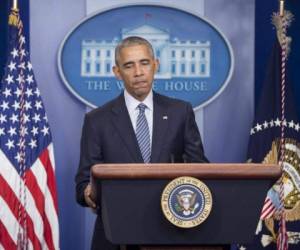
{"points": [[130, 200]]}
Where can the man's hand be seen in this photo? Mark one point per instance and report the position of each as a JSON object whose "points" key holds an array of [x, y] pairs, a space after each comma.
{"points": [[89, 197]]}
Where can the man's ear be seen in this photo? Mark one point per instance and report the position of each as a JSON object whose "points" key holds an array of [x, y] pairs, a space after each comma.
{"points": [[116, 71]]}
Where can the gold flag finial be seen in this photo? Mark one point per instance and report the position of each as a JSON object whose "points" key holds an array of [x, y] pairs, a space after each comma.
{"points": [[281, 7], [13, 18], [15, 5], [282, 20]]}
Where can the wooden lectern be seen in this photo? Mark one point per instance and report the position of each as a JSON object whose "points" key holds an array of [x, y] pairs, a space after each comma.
{"points": [[130, 196]]}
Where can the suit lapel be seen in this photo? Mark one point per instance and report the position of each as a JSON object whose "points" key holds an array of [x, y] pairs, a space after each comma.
{"points": [[160, 125], [122, 123]]}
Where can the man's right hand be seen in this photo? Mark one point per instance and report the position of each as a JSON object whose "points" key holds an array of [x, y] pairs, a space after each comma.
{"points": [[89, 197]]}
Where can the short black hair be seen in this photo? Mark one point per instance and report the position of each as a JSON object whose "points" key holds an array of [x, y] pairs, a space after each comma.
{"points": [[132, 41]]}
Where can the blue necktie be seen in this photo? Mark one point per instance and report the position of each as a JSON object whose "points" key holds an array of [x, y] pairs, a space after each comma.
{"points": [[142, 133]]}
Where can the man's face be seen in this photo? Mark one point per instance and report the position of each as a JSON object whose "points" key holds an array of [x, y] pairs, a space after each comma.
{"points": [[136, 67]]}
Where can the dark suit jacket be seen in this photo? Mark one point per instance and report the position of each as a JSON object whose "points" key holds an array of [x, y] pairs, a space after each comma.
{"points": [[108, 137]]}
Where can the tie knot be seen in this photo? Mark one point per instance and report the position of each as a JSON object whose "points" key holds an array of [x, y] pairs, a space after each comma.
{"points": [[142, 107]]}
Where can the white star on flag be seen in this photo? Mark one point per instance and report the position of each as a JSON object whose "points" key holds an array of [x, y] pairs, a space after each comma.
{"points": [[29, 79], [34, 131], [7, 92], [22, 53], [4, 105], [277, 122], [26, 118], [32, 143], [258, 127], [266, 124], [29, 92], [12, 66], [36, 118], [10, 144], [38, 105], [27, 105], [18, 92], [2, 118], [45, 130], [29, 66], [291, 124], [12, 131], [37, 92], [20, 79], [18, 157], [2, 131], [16, 105], [14, 53], [14, 118], [9, 79]]}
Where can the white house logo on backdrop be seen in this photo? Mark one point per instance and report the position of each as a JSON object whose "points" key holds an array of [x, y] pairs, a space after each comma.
{"points": [[177, 58], [195, 58]]}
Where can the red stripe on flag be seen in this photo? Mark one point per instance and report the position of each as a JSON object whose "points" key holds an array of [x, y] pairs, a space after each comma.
{"points": [[5, 239], [13, 203], [45, 159], [40, 204], [268, 214], [268, 209]]}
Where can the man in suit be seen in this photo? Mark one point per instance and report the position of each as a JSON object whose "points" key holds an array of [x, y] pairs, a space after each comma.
{"points": [[138, 126]]}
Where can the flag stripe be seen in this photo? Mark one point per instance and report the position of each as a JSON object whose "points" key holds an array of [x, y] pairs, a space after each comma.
{"points": [[12, 179], [41, 177], [267, 205], [268, 214], [9, 221], [40, 204], [268, 209], [13, 204], [1, 247], [5, 239], [46, 162]]}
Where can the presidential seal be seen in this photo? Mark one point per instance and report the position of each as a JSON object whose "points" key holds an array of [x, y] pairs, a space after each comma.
{"points": [[291, 196], [186, 202]]}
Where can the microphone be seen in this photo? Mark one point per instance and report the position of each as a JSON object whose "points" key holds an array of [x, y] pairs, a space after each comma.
{"points": [[172, 158], [185, 159]]}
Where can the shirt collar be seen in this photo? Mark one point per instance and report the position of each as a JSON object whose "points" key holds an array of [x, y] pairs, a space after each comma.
{"points": [[132, 103]]}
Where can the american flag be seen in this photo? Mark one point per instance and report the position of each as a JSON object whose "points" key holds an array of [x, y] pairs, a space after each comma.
{"points": [[279, 226], [28, 200]]}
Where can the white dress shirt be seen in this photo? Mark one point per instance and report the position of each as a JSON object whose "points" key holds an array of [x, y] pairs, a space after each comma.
{"points": [[133, 110]]}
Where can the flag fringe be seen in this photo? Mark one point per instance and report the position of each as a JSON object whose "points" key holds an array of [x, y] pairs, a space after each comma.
{"points": [[14, 18], [281, 22]]}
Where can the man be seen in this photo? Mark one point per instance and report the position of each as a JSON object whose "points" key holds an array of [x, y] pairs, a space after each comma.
{"points": [[138, 126]]}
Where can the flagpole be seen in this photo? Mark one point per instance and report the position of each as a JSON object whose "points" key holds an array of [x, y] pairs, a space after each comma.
{"points": [[15, 5], [22, 237], [281, 7], [282, 237], [13, 18]]}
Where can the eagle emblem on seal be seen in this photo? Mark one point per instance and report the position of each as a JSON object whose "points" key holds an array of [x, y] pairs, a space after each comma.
{"points": [[186, 202]]}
